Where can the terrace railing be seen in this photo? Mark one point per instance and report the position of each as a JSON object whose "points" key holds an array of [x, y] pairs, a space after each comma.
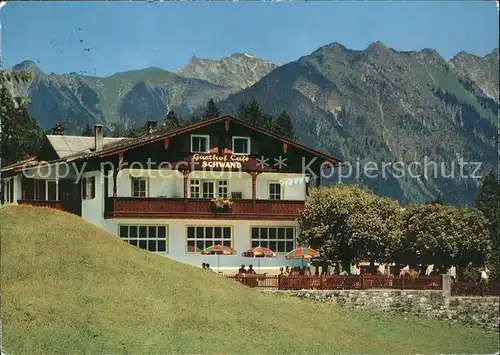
{"points": [[338, 282]]}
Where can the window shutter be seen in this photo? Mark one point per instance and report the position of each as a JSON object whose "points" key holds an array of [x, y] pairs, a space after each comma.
{"points": [[255, 146], [227, 145], [83, 183], [187, 143], [214, 143]]}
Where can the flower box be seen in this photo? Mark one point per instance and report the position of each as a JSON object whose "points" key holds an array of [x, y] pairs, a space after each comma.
{"points": [[220, 205]]}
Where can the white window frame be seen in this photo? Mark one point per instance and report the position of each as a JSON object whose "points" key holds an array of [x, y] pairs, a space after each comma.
{"points": [[202, 190], [146, 186], [249, 146], [46, 197], [8, 189], [194, 183], [217, 185], [88, 193], [225, 184], [282, 192], [258, 241], [205, 241], [200, 136], [147, 238]]}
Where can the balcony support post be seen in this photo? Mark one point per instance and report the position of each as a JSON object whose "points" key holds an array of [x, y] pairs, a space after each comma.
{"points": [[254, 175], [185, 173], [115, 177], [2, 190]]}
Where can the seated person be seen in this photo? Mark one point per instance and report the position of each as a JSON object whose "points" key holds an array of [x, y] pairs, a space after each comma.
{"points": [[242, 270], [250, 269]]}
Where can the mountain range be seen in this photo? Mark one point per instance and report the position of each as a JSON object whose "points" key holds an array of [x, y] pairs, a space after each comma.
{"points": [[372, 105]]}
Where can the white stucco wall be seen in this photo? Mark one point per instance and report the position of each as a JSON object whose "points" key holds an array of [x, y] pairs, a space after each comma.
{"points": [[296, 191], [18, 192], [241, 240], [93, 210], [171, 183]]}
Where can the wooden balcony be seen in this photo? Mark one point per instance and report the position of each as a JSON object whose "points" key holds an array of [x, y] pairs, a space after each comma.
{"points": [[159, 207], [74, 207]]}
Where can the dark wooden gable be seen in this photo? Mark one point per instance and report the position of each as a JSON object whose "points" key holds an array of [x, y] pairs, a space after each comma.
{"points": [[177, 148]]}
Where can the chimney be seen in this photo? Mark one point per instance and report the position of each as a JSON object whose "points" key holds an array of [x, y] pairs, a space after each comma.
{"points": [[152, 126], [98, 137]]}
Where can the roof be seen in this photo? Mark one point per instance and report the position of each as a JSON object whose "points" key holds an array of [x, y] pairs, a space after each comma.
{"points": [[65, 146], [72, 148], [121, 146]]}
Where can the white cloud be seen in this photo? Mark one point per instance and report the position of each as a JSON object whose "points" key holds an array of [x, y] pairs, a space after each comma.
{"points": [[3, 3]]}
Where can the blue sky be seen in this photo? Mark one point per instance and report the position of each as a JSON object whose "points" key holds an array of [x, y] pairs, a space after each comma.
{"points": [[133, 35]]}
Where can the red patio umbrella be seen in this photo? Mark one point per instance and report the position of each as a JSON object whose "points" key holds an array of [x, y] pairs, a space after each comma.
{"points": [[218, 250], [302, 253], [259, 252]]}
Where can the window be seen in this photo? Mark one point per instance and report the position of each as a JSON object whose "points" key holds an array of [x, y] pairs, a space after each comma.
{"points": [[8, 191], [88, 188], [139, 187], [278, 239], [208, 188], [199, 238], [40, 189], [151, 238], [194, 188], [241, 145], [200, 144], [275, 192], [223, 189], [51, 191]]}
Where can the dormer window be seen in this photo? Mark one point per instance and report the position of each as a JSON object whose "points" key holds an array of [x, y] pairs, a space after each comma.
{"points": [[200, 144], [241, 145]]}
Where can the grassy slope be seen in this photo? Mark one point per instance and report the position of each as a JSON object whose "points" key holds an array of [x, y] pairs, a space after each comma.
{"points": [[68, 287]]}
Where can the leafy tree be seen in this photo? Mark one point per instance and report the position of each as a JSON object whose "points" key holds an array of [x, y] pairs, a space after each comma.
{"points": [[172, 121], [437, 201], [87, 132], [211, 110], [284, 126], [444, 236], [488, 202], [349, 224], [20, 134]]}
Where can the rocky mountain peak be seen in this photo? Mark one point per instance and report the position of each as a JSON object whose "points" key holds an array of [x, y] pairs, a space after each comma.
{"points": [[28, 66], [236, 71], [377, 46]]}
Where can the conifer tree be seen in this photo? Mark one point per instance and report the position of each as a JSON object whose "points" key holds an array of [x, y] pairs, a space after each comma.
{"points": [[284, 126], [211, 110], [172, 120]]}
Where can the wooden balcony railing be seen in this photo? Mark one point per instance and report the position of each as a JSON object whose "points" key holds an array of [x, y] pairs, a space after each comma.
{"points": [[74, 207], [159, 207]]}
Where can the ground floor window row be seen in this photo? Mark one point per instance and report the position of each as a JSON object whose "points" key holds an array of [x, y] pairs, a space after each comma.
{"points": [[154, 238], [151, 238]]}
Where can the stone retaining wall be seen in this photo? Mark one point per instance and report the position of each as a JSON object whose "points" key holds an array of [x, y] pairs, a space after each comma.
{"points": [[475, 311]]}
